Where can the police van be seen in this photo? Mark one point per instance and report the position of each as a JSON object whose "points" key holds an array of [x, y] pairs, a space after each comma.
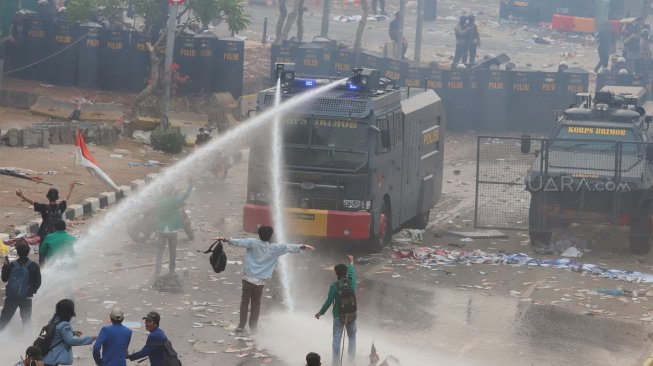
{"points": [[361, 161]]}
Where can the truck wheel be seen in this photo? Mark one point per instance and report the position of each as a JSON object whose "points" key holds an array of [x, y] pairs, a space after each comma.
{"points": [[640, 234], [536, 233], [383, 237]]}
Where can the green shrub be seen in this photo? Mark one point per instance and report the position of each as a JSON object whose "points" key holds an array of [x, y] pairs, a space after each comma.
{"points": [[170, 141]]}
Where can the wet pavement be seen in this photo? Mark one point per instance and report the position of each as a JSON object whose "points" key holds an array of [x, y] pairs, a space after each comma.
{"points": [[478, 314]]}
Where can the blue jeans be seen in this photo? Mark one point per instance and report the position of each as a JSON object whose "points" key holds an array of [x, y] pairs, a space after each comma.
{"points": [[337, 339]]}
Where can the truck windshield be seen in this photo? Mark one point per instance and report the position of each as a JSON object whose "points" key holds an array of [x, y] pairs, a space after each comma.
{"points": [[602, 139], [323, 143]]}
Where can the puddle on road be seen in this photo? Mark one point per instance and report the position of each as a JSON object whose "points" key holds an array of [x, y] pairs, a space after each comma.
{"points": [[469, 328]]}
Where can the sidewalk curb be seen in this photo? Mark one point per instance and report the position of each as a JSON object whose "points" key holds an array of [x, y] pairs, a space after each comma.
{"points": [[86, 207]]}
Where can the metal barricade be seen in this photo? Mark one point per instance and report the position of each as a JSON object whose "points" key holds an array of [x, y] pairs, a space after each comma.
{"points": [[229, 75], [88, 55]]}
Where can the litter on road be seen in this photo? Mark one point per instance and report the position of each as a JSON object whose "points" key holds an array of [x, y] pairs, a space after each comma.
{"points": [[427, 256]]}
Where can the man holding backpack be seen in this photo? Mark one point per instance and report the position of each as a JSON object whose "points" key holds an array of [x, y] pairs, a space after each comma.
{"points": [[260, 261], [23, 279], [342, 294]]}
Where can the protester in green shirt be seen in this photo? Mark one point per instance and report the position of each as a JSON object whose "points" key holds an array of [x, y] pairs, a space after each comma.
{"points": [[343, 273], [58, 243], [168, 222]]}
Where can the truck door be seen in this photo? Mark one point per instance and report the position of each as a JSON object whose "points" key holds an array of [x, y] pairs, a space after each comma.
{"points": [[410, 181]]}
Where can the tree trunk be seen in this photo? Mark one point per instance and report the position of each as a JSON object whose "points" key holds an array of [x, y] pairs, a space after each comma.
{"points": [[359, 31], [291, 19], [282, 18], [155, 62], [300, 21]]}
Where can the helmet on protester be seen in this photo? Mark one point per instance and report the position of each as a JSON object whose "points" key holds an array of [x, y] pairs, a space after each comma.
{"points": [[623, 72], [510, 65]]}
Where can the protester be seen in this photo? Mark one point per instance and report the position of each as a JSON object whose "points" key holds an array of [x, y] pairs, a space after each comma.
{"points": [[346, 276], [606, 43], [61, 352], [260, 260], [393, 32], [168, 222], [23, 279], [313, 359], [381, 3], [59, 243], [474, 41], [50, 212], [153, 347], [462, 32], [113, 340], [632, 52], [33, 357]]}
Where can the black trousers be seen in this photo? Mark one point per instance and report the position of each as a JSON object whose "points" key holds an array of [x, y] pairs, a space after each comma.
{"points": [[604, 58], [382, 3], [10, 307], [251, 294]]}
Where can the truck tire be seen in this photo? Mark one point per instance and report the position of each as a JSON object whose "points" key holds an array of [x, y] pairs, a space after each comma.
{"points": [[640, 234], [383, 237], [535, 233]]}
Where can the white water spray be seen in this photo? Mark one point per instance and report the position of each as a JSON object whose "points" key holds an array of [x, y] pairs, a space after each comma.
{"points": [[61, 276], [278, 200]]}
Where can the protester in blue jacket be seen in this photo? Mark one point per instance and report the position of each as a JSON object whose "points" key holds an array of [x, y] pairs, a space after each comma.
{"points": [[61, 352], [113, 340], [154, 345]]}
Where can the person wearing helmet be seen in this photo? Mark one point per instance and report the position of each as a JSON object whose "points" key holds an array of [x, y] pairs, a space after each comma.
{"points": [[606, 41], [50, 212], [620, 64], [462, 33], [623, 72], [562, 66], [474, 41], [510, 65]]}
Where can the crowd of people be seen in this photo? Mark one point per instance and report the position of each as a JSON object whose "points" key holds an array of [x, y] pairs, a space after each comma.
{"points": [[55, 342]]}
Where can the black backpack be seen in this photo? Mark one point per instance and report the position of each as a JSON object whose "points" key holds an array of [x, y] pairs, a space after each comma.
{"points": [[170, 357], [44, 340], [18, 284], [218, 257], [347, 298]]}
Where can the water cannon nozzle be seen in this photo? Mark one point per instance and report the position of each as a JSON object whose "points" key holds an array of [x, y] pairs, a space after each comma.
{"points": [[286, 71]]}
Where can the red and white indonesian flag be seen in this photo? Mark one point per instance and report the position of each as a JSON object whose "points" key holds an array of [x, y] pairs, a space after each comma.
{"points": [[83, 157]]}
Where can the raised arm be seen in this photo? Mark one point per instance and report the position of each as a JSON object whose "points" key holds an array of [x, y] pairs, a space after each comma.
{"points": [[19, 193], [70, 190]]}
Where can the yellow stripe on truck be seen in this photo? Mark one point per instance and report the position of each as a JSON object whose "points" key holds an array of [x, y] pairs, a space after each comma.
{"points": [[307, 222]]}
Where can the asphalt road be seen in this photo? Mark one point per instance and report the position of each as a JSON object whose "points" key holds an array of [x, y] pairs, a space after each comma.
{"points": [[457, 315]]}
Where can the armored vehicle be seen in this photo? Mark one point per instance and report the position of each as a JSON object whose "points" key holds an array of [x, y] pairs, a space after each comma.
{"points": [[596, 168], [361, 160]]}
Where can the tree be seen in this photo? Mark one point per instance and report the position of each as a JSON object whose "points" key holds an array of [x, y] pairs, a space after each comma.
{"points": [[154, 13], [231, 11]]}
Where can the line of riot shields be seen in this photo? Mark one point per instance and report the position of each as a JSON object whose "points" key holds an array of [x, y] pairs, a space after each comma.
{"points": [[485, 100], [91, 56]]}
